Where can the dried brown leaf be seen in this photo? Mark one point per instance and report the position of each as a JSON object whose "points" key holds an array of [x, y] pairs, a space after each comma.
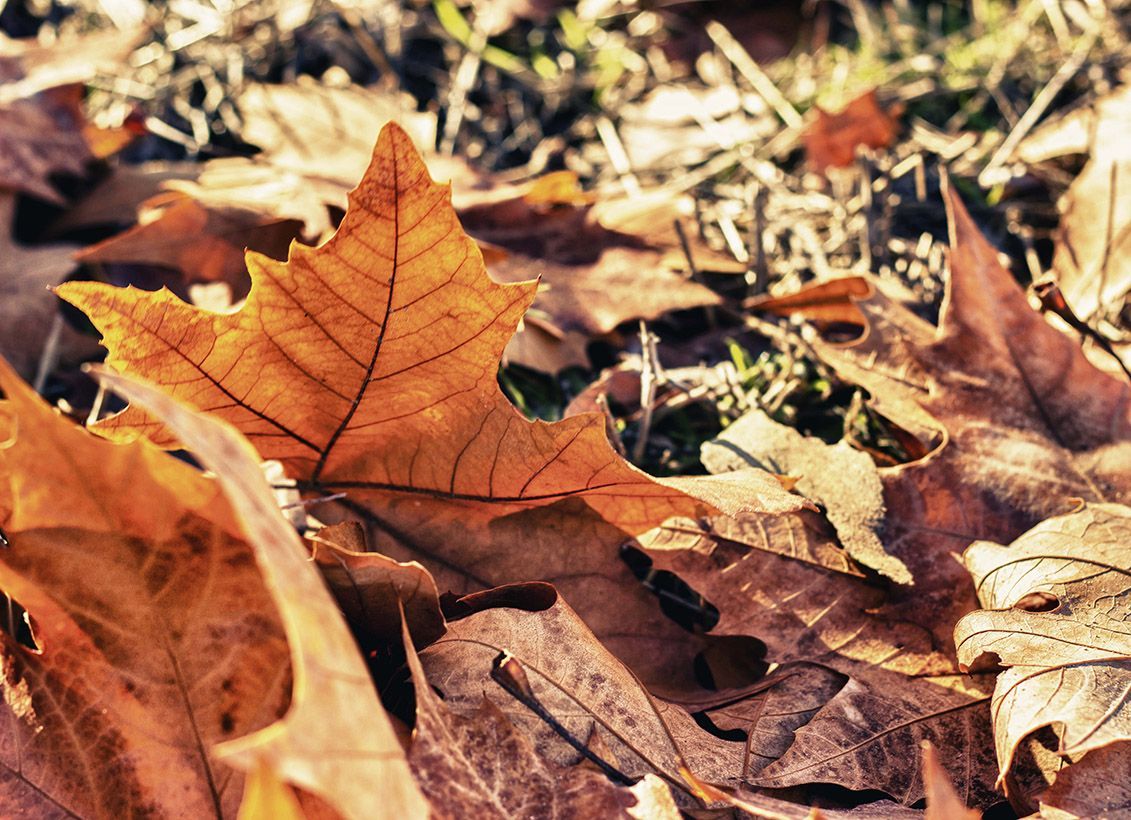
{"points": [[1097, 786], [583, 686], [27, 308], [1056, 620], [371, 589], [480, 765], [831, 140], [842, 479], [1093, 242], [383, 387]]}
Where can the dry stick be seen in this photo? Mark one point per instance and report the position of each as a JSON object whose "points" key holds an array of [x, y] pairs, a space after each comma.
{"points": [[693, 269], [866, 209], [366, 42], [1052, 300], [733, 51], [96, 405], [649, 380], [758, 241], [1059, 25], [50, 355], [1109, 231], [617, 155], [503, 673], [464, 79], [1037, 109], [611, 426]]}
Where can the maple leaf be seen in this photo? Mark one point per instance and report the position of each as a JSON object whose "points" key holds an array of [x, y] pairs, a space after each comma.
{"points": [[1097, 786], [1051, 623], [29, 67], [41, 122], [874, 687], [316, 143], [156, 637], [577, 680], [1014, 422], [600, 265], [368, 366], [335, 740], [39, 137], [1017, 430], [943, 802], [839, 477]]}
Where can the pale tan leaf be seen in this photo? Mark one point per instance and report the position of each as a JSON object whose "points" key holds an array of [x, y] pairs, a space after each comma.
{"points": [[1057, 622]]}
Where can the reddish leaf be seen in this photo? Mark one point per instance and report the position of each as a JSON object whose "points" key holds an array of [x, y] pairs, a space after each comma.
{"points": [[832, 139]]}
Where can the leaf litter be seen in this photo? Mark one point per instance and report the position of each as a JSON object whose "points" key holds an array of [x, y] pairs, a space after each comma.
{"points": [[535, 625]]}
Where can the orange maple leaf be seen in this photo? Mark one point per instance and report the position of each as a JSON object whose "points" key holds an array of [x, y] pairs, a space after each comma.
{"points": [[368, 366]]}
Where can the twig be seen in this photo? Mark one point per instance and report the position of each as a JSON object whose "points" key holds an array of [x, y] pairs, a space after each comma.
{"points": [[464, 79], [96, 405], [733, 51], [1052, 301], [617, 155], [50, 356], [1073, 64], [649, 380], [509, 674]]}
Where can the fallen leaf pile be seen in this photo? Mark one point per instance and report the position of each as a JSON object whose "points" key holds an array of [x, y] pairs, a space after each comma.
{"points": [[483, 619]]}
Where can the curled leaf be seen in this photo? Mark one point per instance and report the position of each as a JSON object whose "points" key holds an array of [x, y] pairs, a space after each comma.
{"points": [[336, 739]]}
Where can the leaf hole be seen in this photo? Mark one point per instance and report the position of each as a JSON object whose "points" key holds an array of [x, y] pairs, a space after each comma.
{"points": [[16, 621], [678, 600], [1038, 602], [707, 725]]}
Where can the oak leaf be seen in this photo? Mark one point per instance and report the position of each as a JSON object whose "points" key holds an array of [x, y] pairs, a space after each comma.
{"points": [[578, 682], [1054, 622], [156, 637], [368, 366], [481, 765], [335, 741]]}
